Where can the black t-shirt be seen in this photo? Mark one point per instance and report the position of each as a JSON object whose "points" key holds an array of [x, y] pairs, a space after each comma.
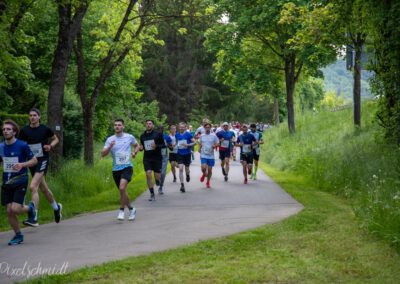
{"points": [[145, 140], [36, 135]]}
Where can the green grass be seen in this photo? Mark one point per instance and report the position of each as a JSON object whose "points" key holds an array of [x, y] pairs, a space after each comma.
{"points": [[322, 244], [83, 189]]}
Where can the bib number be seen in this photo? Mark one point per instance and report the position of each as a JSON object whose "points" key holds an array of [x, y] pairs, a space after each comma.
{"points": [[122, 158], [182, 144], [148, 145], [36, 149], [246, 148], [8, 164], [208, 151], [225, 144]]}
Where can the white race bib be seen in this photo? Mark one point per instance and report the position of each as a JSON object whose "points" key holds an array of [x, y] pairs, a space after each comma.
{"points": [[246, 148], [181, 144], [225, 144], [208, 150], [122, 158], [258, 150], [164, 151], [8, 164], [148, 145], [36, 149]]}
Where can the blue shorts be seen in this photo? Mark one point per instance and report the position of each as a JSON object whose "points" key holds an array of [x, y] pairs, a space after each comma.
{"points": [[208, 162]]}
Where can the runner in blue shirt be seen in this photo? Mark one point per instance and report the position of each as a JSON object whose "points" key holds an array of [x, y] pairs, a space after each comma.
{"points": [[225, 137], [246, 141], [184, 140], [256, 149], [16, 157]]}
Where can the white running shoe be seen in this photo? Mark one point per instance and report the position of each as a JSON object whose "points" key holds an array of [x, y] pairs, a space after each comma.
{"points": [[121, 215], [132, 214]]}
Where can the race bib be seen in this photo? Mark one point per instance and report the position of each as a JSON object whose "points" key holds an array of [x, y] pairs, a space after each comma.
{"points": [[36, 149], [258, 150], [246, 148], [122, 158], [148, 145], [8, 164], [225, 144], [164, 151], [181, 144], [207, 151]]}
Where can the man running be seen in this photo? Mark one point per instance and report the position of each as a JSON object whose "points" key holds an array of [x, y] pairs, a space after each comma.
{"points": [[185, 141], [120, 145], [173, 153], [38, 137], [225, 136], [201, 129], [16, 157], [207, 144], [256, 149], [164, 155], [151, 142], [246, 141]]}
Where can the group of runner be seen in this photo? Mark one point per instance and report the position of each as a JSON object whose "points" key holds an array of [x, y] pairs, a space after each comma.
{"points": [[30, 147]]}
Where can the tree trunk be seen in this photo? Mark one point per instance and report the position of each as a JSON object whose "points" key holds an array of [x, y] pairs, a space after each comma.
{"points": [[358, 44], [67, 32], [290, 79], [89, 135], [276, 111]]}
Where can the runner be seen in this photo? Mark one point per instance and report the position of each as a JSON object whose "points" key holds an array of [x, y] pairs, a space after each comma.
{"points": [[38, 136], [246, 141], [256, 149], [225, 136], [185, 141], [16, 157], [193, 133], [173, 153], [120, 145], [151, 142], [207, 144], [201, 129], [164, 155]]}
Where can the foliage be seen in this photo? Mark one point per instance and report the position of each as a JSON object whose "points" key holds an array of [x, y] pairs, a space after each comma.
{"points": [[331, 101], [20, 119]]}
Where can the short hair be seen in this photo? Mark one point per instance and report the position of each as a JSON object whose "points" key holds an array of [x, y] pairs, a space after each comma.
{"points": [[152, 121], [182, 123], [253, 125], [172, 125], [35, 110], [15, 126], [205, 124], [119, 120]]}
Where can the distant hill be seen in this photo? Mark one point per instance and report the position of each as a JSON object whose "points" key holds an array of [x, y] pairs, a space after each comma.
{"points": [[339, 79]]}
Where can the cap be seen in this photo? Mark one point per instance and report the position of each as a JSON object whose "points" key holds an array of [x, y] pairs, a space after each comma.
{"points": [[225, 123]]}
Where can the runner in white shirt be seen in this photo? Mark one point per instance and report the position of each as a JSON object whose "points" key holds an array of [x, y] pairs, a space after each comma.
{"points": [[208, 142], [120, 147]]}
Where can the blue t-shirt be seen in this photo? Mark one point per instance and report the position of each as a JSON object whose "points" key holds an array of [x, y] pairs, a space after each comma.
{"points": [[227, 136], [167, 141], [247, 140], [18, 152], [183, 138]]}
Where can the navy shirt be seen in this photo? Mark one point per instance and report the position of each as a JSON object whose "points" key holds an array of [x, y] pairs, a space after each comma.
{"points": [[227, 136], [247, 140], [18, 152], [181, 138]]}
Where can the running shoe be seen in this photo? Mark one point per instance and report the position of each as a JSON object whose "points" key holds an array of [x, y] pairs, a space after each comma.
{"points": [[157, 182], [16, 240], [187, 178], [245, 181], [226, 178], [160, 191], [174, 179], [202, 178], [182, 188], [152, 197], [208, 184], [121, 215], [32, 216], [57, 213], [132, 214]]}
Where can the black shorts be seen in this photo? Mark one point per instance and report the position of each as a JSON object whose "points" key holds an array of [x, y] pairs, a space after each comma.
{"points": [[248, 158], [225, 154], [13, 193], [256, 156], [41, 166], [152, 165], [123, 174], [173, 157], [185, 159]]}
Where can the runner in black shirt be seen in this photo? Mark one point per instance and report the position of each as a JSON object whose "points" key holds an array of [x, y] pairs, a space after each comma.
{"points": [[151, 142], [37, 136]]}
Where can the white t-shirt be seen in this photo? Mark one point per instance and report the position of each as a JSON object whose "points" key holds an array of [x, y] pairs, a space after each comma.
{"points": [[201, 130], [174, 142], [207, 141], [121, 151]]}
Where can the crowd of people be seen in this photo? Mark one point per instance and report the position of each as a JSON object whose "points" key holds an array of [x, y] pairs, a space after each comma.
{"points": [[29, 148]]}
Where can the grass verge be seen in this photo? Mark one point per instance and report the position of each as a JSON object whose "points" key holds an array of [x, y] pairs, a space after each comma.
{"points": [[322, 244]]}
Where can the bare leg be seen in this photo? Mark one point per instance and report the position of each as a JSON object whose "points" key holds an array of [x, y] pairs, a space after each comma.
{"points": [[46, 191], [124, 198]]}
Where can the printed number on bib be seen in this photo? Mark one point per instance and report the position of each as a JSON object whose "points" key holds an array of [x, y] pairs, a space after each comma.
{"points": [[8, 164], [208, 151], [36, 149], [225, 144], [148, 145], [246, 148], [182, 144], [122, 158]]}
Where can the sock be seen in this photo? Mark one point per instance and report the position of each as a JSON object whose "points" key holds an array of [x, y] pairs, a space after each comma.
{"points": [[54, 205], [36, 214], [18, 234], [151, 191], [121, 209], [130, 208]]}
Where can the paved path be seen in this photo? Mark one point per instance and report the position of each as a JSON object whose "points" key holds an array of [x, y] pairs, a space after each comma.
{"points": [[174, 219]]}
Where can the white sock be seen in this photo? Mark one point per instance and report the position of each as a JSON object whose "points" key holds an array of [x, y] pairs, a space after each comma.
{"points": [[54, 205]]}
